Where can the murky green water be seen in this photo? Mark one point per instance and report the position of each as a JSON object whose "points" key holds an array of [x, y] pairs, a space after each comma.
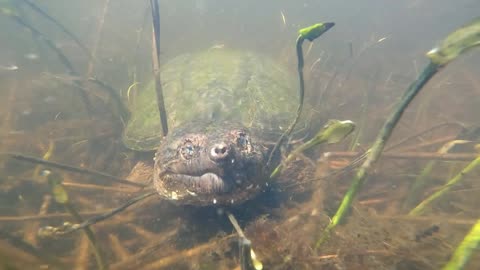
{"points": [[56, 104]]}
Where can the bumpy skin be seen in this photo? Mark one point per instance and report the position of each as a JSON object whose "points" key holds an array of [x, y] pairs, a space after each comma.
{"points": [[223, 106], [210, 163]]}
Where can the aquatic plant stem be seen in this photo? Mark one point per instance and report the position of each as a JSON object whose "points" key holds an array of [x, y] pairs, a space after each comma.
{"points": [[61, 56], [248, 260], [60, 195], [48, 154], [419, 209], [96, 219], [69, 168], [31, 235], [76, 83], [310, 33], [421, 180], [410, 155], [301, 95], [134, 85], [46, 216], [182, 255], [464, 251], [374, 152], [117, 99], [89, 234], [333, 132], [98, 37], [156, 66], [48, 17]]}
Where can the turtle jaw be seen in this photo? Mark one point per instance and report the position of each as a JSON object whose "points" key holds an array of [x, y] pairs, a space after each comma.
{"points": [[203, 176], [233, 185], [198, 176], [220, 166], [205, 184]]}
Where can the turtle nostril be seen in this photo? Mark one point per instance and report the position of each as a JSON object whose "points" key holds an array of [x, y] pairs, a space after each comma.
{"points": [[219, 151]]}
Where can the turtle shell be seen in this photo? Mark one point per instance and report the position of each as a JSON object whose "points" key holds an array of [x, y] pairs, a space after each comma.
{"points": [[219, 85]]}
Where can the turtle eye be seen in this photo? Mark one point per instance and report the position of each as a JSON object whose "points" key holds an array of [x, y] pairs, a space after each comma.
{"points": [[187, 150]]}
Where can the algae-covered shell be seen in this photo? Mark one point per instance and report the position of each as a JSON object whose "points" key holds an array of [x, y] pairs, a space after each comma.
{"points": [[218, 85]]}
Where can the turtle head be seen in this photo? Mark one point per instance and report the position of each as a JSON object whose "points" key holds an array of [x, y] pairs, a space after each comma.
{"points": [[210, 164]]}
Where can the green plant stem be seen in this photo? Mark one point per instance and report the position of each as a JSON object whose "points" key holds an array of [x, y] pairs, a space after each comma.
{"points": [[419, 209], [301, 95], [90, 236], [310, 33], [363, 120], [419, 184], [464, 251], [374, 152]]}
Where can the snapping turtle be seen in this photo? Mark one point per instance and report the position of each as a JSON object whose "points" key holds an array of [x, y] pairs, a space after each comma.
{"points": [[225, 110]]}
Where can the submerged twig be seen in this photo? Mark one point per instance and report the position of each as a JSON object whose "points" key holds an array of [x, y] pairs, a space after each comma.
{"points": [[419, 134], [82, 252], [97, 187], [70, 228], [155, 241], [61, 196], [421, 181], [186, 254], [248, 259], [118, 249], [31, 235], [410, 155], [156, 66], [69, 168], [98, 36], [46, 216], [422, 219], [121, 107], [445, 188]]}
